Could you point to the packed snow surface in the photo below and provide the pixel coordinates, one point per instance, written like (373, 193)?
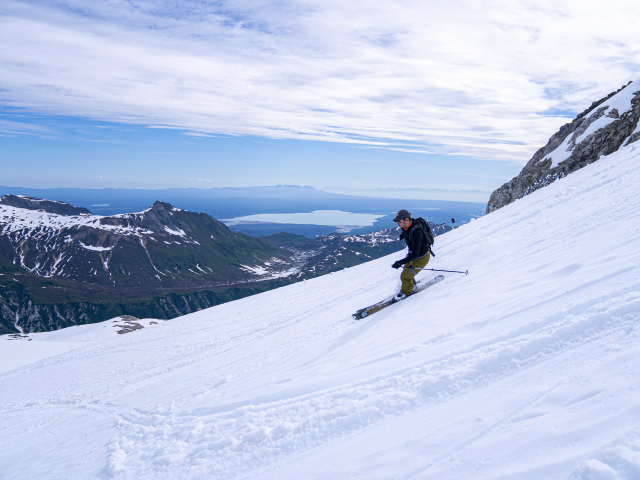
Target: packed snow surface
(17, 351)
(527, 368)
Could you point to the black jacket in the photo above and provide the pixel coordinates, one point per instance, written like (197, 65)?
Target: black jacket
(416, 242)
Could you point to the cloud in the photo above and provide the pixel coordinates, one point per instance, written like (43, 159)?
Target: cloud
(461, 77)
(196, 134)
(12, 127)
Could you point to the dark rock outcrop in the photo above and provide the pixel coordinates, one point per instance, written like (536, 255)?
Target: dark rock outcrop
(538, 172)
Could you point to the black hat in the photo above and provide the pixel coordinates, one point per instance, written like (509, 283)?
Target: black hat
(402, 214)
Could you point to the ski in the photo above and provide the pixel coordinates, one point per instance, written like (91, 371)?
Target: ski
(365, 312)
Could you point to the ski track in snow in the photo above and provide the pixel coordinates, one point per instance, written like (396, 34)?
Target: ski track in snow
(526, 368)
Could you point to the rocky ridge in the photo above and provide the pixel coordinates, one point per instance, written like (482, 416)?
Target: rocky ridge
(607, 125)
(162, 245)
(50, 206)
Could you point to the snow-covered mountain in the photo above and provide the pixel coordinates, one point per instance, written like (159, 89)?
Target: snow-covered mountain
(50, 206)
(61, 265)
(604, 127)
(162, 245)
(527, 368)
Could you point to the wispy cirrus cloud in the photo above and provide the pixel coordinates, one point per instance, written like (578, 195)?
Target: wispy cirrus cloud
(461, 77)
(12, 127)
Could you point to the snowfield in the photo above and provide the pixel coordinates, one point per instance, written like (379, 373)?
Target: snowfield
(527, 368)
(17, 350)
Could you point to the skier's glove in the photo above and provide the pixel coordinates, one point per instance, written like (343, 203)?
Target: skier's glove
(397, 264)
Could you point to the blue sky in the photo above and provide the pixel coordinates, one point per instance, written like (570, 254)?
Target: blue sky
(351, 95)
(98, 155)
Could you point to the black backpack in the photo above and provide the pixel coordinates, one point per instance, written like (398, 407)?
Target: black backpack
(423, 225)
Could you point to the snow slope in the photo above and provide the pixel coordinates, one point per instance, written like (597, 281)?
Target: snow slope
(18, 350)
(527, 368)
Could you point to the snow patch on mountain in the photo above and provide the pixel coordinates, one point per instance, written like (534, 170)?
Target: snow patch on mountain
(36, 224)
(95, 249)
(255, 270)
(179, 232)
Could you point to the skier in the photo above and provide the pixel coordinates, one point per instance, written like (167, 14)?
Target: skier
(418, 235)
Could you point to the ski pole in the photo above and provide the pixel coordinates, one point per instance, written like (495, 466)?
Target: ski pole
(435, 270)
(453, 220)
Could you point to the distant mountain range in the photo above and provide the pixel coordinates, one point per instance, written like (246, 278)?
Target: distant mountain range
(228, 203)
(414, 193)
(60, 265)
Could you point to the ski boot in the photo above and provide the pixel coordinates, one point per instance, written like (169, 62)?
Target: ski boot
(399, 296)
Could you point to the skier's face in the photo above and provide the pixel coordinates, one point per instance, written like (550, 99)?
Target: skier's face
(404, 223)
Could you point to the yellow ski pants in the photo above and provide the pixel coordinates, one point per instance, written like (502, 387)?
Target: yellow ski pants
(410, 270)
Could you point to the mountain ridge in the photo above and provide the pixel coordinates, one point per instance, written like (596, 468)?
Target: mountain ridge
(50, 206)
(596, 132)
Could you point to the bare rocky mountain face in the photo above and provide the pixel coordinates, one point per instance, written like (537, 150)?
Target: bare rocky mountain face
(58, 270)
(603, 128)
